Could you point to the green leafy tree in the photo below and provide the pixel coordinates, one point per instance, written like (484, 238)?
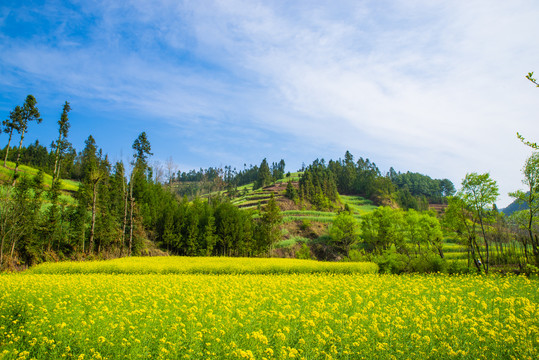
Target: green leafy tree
(479, 193)
(382, 228)
(457, 221)
(270, 222)
(431, 232)
(344, 231)
(530, 198)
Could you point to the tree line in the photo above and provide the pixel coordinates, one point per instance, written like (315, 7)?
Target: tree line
(321, 183)
(116, 211)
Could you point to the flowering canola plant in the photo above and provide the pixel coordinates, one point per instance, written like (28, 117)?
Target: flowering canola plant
(203, 265)
(254, 316)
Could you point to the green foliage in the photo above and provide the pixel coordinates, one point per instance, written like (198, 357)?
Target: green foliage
(264, 175)
(270, 220)
(304, 253)
(344, 231)
(305, 224)
(478, 195)
(317, 185)
(291, 191)
(527, 219)
(418, 186)
(356, 256)
(532, 79)
(479, 192)
(403, 240)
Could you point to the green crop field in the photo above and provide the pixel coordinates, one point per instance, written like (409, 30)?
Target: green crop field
(357, 204)
(261, 316)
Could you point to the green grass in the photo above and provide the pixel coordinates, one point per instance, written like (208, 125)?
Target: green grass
(324, 217)
(358, 204)
(7, 173)
(293, 177)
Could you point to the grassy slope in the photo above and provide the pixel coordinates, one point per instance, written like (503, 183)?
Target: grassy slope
(7, 174)
(67, 187)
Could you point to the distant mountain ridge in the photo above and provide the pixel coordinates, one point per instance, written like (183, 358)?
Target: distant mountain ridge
(514, 207)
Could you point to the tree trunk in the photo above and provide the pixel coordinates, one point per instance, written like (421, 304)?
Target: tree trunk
(131, 226)
(7, 148)
(56, 157)
(536, 250)
(131, 200)
(92, 227)
(12, 248)
(486, 245)
(18, 154)
(124, 191)
(83, 235)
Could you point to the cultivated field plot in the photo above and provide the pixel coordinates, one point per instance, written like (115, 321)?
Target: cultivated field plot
(306, 316)
(203, 265)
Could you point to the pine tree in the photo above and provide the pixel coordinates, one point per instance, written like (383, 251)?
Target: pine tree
(61, 144)
(10, 125)
(29, 113)
(264, 175)
(270, 221)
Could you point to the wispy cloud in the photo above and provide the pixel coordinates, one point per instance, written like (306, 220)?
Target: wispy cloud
(428, 86)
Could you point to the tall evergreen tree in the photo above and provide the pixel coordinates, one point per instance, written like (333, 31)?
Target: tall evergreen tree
(270, 221)
(61, 144)
(29, 113)
(264, 175)
(10, 125)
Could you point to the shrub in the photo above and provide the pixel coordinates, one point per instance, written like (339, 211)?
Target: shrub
(305, 224)
(356, 256)
(427, 264)
(304, 253)
(391, 262)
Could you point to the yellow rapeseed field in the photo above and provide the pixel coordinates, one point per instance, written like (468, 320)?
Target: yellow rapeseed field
(204, 265)
(256, 316)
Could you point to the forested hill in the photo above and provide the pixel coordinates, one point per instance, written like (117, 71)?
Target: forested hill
(514, 207)
(102, 210)
(321, 182)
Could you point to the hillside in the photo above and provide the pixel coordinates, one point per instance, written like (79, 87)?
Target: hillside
(514, 207)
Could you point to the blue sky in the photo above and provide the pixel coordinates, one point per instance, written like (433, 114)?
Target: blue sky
(435, 87)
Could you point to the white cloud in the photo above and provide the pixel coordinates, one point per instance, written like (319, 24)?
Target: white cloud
(434, 87)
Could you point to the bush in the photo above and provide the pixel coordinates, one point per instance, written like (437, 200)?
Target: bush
(458, 267)
(305, 224)
(391, 262)
(356, 256)
(430, 263)
(304, 253)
